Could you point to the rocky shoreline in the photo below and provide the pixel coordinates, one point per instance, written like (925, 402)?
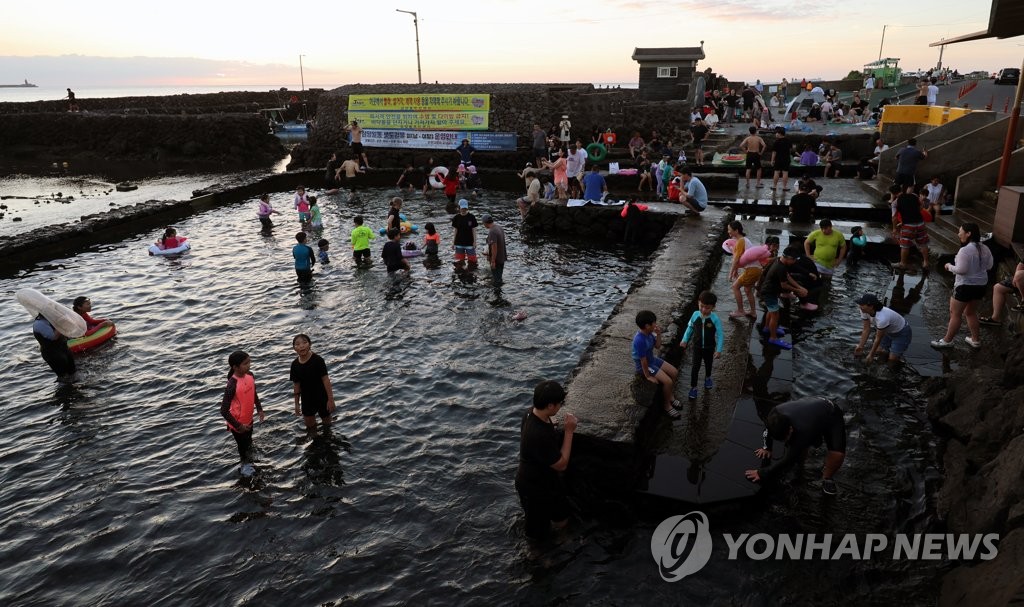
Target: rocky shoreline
(978, 408)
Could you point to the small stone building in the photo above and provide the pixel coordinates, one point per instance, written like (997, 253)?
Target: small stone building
(666, 73)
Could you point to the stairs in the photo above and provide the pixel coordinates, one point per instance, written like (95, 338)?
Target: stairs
(943, 232)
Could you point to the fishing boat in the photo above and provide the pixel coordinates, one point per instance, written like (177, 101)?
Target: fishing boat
(281, 127)
(24, 85)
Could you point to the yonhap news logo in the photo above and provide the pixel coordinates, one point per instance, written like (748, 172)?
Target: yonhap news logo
(681, 546)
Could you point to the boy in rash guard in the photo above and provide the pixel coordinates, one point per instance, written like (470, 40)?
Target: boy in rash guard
(305, 258)
(705, 329)
(803, 424)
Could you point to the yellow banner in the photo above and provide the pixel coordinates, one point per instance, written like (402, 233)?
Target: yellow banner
(435, 102)
(433, 121)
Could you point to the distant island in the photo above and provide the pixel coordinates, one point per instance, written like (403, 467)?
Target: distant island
(25, 85)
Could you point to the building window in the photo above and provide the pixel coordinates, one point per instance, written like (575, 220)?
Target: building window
(668, 72)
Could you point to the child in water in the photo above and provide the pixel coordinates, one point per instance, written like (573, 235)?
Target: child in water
(858, 242)
(432, 240)
(304, 258)
(323, 245)
(316, 219)
(170, 239)
(705, 330)
(361, 237)
(302, 204)
(265, 211)
(312, 387)
(237, 407)
(83, 305)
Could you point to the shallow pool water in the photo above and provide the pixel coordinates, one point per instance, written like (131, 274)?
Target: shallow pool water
(123, 489)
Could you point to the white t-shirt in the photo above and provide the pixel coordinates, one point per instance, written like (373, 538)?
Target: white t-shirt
(869, 83)
(581, 156)
(879, 150)
(933, 92)
(886, 319)
(933, 192)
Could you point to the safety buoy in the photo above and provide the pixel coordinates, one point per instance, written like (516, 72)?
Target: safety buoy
(596, 152)
(437, 176)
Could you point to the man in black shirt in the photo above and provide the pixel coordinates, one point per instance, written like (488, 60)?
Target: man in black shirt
(465, 235)
(782, 157)
(392, 252)
(802, 205)
(803, 424)
(700, 132)
(543, 454)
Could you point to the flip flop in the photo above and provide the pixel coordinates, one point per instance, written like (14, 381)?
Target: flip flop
(986, 320)
(781, 344)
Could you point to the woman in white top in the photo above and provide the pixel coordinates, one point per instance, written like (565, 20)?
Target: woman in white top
(971, 267)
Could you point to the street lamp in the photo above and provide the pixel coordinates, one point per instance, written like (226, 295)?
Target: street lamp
(416, 24)
(302, 78)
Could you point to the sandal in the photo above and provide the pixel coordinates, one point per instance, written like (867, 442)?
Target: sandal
(987, 320)
(1018, 308)
(737, 314)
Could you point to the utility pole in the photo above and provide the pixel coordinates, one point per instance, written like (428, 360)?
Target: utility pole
(302, 78)
(416, 24)
(941, 49)
(881, 43)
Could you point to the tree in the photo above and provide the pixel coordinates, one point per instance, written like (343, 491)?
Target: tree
(854, 75)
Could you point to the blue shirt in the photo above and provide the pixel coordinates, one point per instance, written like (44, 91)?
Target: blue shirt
(466, 154)
(708, 330)
(643, 347)
(593, 186)
(696, 189)
(304, 256)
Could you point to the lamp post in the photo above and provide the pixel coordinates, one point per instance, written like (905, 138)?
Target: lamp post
(881, 43)
(302, 78)
(416, 24)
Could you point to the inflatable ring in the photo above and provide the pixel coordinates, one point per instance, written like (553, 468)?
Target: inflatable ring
(596, 152)
(436, 177)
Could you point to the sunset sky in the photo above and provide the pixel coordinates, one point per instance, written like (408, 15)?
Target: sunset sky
(498, 40)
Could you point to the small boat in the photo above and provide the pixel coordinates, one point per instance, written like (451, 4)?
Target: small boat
(24, 85)
(92, 340)
(124, 186)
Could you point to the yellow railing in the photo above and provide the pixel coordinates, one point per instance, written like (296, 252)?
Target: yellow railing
(932, 115)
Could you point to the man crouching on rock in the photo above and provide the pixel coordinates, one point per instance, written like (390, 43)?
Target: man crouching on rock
(803, 424)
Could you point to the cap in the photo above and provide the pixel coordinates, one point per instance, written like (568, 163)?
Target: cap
(487, 219)
(868, 299)
(463, 204)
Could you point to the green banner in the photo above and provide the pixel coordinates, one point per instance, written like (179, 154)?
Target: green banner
(433, 121)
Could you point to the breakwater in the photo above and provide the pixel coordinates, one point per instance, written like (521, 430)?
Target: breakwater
(231, 140)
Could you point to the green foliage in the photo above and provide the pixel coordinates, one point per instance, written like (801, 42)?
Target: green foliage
(854, 75)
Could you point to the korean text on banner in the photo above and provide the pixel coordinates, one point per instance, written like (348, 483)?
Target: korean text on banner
(433, 102)
(437, 121)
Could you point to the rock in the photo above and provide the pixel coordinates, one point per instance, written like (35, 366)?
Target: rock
(990, 583)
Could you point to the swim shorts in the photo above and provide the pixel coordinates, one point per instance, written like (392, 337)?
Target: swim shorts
(771, 302)
(541, 509)
(913, 234)
(357, 148)
(753, 160)
(310, 409)
(462, 251)
(361, 254)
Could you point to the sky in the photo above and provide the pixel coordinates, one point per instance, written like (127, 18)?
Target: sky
(344, 42)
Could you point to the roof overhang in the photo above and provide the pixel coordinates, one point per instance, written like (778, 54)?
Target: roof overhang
(1005, 21)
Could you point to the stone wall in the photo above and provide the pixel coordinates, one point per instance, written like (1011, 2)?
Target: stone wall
(514, 108)
(606, 223)
(246, 102)
(231, 138)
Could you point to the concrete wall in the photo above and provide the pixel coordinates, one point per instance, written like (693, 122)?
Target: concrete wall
(971, 184)
(605, 223)
(514, 108)
(204, 103)
(953, 148)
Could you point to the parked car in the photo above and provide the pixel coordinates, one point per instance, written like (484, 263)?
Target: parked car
(1008, 75)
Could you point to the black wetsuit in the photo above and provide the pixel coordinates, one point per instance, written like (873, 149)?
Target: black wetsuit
(814, 420)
